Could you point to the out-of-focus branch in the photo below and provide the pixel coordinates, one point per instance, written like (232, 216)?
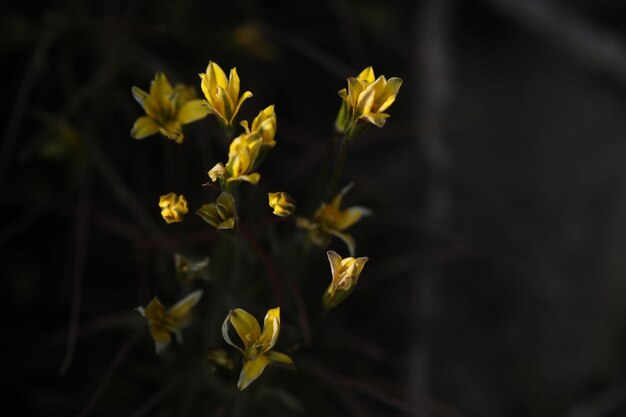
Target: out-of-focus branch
(432, 95)
(598, 48)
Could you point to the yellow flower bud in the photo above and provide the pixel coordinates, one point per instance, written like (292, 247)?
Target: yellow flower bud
(218, 171)
(242, 157)
(173, 207)
(222, 214)
(282, 203)
(265, 125)
(345, 276)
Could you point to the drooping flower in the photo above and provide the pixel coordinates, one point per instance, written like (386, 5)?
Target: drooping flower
(330, 220)
(162, 323)
(366, 99)
(173, 207)
(345, 276)
(222, 94)
(167, 109)
(257, 346)
(222, 214)
(282, 203)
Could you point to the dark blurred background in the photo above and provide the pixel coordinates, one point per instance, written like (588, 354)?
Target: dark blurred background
(497, 278)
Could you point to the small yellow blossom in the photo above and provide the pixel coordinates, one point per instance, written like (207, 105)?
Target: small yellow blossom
(329, 220)
(173, 207)
(162, 323)
(191, 268)
(167, 109)
(257, 345)
(222, 94)
(345, 276)
(219, 357)
(282, 203)
(222, 214)
(242, 159)
(265, 125)
(366, 99)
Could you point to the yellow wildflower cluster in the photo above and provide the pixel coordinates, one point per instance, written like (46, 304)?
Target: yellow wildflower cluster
(167, 108)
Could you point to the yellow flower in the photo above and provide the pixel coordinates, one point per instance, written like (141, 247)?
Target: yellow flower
(190, 268)
(257, 345)
(167, 109)
(242, 158)
(222, 95)
(173, 207)
(282, 203)
(222, 214)
(265, 125)
(329, 220)
(219, 357)
(366, 99)
(162, 323)
(345, 276)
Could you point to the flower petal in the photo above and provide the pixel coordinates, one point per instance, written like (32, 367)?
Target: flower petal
(216, 75)
(367, 75)
(280, 359)
(246, 326)
(233, 84)
(139, 95)
(350, 216)
(271, 329)
(154, 309)
(243, 98)
(335, 261)
(347, 239)
(191, 111)
(252, 370)
(183, 307)
(144, 127)
(225, 326)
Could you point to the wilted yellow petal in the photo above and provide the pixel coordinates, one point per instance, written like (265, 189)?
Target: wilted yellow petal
(335, 261)
(251, 370)
(217, 172)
